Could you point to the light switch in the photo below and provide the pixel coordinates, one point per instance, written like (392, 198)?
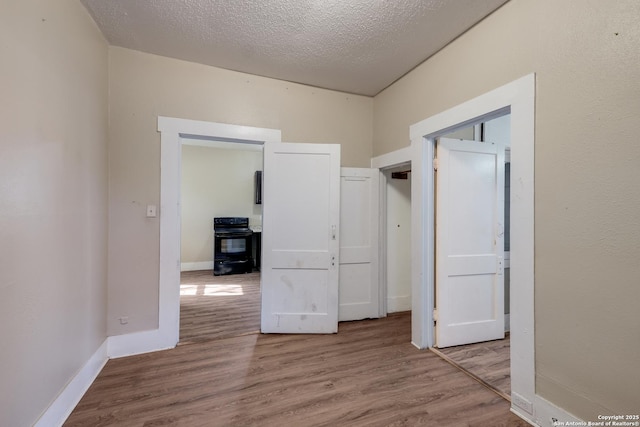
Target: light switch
(151, 211)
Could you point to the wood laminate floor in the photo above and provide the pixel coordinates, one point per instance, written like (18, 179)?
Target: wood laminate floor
(489, 362)
(213, 307)
(224, 373)
(366, 375)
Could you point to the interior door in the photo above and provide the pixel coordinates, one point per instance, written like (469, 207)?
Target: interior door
(469, 242)
(359, 285)
(300, 237)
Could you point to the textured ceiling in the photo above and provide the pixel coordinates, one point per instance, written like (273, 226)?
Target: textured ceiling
(357, 46)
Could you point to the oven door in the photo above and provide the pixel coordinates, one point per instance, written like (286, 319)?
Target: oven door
(231, 245)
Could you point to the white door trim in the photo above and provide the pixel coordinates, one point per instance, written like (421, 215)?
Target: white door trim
(392, 159)
(172, 132)
(518, 99)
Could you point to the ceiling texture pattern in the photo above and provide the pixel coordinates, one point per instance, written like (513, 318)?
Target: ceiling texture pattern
(355, 46)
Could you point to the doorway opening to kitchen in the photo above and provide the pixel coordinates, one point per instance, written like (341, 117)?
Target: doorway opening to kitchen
(220, 239)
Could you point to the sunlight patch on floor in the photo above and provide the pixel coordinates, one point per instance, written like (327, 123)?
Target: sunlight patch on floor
(211, 289)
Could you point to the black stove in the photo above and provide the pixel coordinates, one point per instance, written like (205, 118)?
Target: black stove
(231, 224)
(232, 252)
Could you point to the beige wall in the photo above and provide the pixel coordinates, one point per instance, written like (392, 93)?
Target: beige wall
(215, 182)
(53, 201)
(53, 180)
(143, 86)
(586, 58)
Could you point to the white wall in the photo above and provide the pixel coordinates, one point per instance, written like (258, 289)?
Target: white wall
(398, 242)
(53, 201)
(215, 182)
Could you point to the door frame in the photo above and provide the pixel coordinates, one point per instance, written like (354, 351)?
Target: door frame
(172, 132)
(383, 163)
(518, 99)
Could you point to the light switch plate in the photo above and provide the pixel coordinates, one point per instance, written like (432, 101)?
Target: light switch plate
(151, 211)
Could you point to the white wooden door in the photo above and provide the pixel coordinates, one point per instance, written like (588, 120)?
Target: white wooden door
(300, 237)
(469, 242)
(359, 285)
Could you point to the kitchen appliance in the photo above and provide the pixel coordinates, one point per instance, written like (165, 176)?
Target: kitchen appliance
(232, 250)
(257, 194)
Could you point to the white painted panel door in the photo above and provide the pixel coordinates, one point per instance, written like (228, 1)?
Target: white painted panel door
(469, 242)
(300, 237)
(359, 289)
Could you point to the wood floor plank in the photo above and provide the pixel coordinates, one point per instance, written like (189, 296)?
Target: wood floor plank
(489, 361)
(366, 375)
(213, 307)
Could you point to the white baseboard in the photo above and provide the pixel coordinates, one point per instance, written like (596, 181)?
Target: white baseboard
(396, 304)
(507, 322)
(545, 412)
(57, 413)
(112, 347)
(524, 416)
(138, 343)
(196, 266)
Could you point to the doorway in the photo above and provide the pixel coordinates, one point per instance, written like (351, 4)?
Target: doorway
(217, 180)
(397, 230)
(518, 99)
(173, 132)
(477, 348)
